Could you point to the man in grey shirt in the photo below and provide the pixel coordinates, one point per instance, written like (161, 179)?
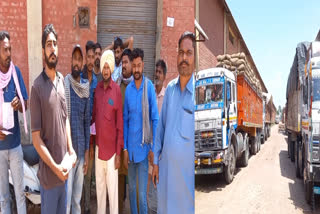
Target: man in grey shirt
(50, 127)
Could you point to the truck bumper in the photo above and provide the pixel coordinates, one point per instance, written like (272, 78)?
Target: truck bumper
(209, 162)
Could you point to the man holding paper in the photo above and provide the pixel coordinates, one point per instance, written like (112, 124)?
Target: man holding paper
(50, 128)
(12, 92)
(78, 106)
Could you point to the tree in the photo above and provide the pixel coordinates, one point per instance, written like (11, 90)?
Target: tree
(279, 110)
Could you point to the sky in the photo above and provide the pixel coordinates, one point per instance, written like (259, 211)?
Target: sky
(272, 29)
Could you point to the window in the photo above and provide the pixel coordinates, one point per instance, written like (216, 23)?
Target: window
(233, 92)
(209, 93)
(231, 36)
(228, 91)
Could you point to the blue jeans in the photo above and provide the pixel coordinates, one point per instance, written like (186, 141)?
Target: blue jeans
(54, 200)
(12, 159)
(75, 184)
(138, 171)
(152, 199)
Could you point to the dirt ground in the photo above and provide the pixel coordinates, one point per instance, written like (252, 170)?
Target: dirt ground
(267, 185)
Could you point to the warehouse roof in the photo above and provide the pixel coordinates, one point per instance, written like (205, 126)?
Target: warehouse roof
(264, 88)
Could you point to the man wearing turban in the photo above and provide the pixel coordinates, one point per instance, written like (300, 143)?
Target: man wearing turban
(107, 115)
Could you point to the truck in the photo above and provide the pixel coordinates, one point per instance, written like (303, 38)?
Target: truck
(269, 114)
(228, 122)
(303, 116)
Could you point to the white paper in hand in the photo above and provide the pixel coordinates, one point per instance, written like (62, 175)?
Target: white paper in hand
(68, 161)
(7, 116)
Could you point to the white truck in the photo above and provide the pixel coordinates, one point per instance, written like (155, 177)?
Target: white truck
(228, 122)
(303, 116)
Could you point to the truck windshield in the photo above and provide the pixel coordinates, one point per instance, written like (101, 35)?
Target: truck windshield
(209, 93)
(316, 89)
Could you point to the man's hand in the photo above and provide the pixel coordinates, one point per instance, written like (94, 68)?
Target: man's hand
(150, 158)
(2, 136)
(91, 152)
(117, 162)
(61, 173)
(155, 175)
(16, 104)
(86, 162)
(72, 152)
(125, 159)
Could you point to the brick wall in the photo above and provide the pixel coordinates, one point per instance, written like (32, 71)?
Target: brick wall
(61, 14)
(183, 12)
(207, 59)
(211, 19)
(13, 18)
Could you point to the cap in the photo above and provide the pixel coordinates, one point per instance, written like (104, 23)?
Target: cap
(77, 46)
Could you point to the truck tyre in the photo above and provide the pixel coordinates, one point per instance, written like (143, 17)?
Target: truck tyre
(263, 139)
(230, 168)
(243, 162)
(288, 143)
(254, 147)
(308, 191)
(297, 158)
(292, 150)
(258, 139)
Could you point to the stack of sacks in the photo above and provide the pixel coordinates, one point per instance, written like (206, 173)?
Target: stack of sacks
(238, 63)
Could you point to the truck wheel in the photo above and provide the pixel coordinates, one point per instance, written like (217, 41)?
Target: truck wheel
(297, 158)
(258, 140)
(263, 139)
(243, 162)
(230, 168)
(253, 147)
(292, 150)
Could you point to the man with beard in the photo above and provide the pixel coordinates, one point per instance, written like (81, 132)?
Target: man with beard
(126, 78)
(107, 115)
(118, 46)
(88, 73)
(50, 127)
(13, 96)
(78, 106)
(160, 76)
(175, 137)
(97, 56)
(140, 113)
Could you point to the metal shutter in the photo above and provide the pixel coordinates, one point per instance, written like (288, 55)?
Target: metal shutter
(124, 18)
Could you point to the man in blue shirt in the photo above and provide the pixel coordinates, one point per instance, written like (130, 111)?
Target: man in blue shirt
(88, 73)
(78, 105)
(175, 137)
(11, 156)
(140, 113)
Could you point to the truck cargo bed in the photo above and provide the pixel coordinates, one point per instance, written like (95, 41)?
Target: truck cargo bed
(250, 104)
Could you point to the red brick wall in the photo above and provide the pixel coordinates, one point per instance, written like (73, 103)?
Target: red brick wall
(232, 48)
(60, 13)
(211, 19)
(207, 59)
(183, 12)
(13, 18)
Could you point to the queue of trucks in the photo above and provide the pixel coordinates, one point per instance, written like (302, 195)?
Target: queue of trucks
(233, 118)
(302, 116)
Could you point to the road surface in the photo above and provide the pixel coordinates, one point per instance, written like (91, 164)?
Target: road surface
(267, 185)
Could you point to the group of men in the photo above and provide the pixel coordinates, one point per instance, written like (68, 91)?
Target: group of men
(103, 118)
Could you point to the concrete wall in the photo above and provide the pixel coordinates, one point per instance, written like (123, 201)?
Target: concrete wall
(183, 11)
(61, 14)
